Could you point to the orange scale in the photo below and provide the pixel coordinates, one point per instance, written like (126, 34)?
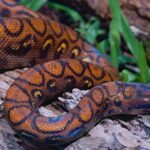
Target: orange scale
(76, 66)
(32, 76)
(44, 125)
(8, 105)
(13, 28)
(17, 94)
(85, 109)
(113, 89)
(96, 71)
(54, 68)
(72, 35)
(86, 114)
(97, 96)
(74, 124)
(106, 78)
(20, 112)
(57, 29)
(38, 24)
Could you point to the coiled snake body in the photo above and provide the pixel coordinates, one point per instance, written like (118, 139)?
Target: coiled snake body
(29, 38)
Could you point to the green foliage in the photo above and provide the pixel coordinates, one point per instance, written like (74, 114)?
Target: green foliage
(135, 47)
(128, 76)
(72, 13)
(33, 4)
(90, 30)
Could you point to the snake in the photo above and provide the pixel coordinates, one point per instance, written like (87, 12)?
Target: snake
(59, 60)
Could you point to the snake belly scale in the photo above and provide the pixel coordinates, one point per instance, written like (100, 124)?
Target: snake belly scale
(65, 61)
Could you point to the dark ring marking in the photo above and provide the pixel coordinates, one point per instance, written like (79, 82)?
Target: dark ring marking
(63, 65)
(93, 75)
(36, 69)
(9, 4)
(25, 13)
(8, 32)
(25, 118)
(42, 33)
(69, 36)
(23, 90)
(34, 126)
(53, 30)
(74, 70)
(98, 104)
(15, 101)
(107, 90)
(78, 114)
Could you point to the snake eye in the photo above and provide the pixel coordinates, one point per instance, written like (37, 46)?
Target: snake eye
(51, 86)
(37, 94)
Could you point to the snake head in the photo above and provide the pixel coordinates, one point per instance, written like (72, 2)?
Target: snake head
(126, 98)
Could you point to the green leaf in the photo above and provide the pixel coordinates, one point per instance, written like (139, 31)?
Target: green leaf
(133, 44)
(103, 46)
(128, 76)
(33, 4)
(114, 40)
(72, 13)
(90, 30)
